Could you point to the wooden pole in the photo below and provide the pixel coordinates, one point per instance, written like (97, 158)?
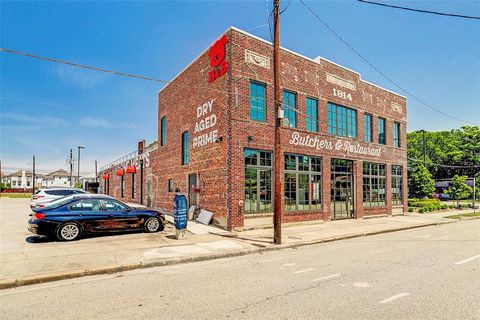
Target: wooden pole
(278, 197)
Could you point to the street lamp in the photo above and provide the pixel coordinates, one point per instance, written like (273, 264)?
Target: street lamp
(78, 164)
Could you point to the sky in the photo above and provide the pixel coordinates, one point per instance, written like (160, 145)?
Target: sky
(46, 109)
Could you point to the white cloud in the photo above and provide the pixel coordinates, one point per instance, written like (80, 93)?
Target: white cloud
(82, 78)
(106, 124)
(39, 120)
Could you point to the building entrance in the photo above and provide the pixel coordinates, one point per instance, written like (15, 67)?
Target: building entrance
(342, 190)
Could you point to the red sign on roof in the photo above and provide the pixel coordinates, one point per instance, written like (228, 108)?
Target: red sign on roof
(217, 59)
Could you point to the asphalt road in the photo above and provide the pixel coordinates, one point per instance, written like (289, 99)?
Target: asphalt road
(425, 273)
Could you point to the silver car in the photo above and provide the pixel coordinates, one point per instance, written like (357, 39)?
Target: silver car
(43, 196)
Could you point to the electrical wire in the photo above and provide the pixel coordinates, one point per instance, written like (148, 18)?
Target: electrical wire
(379, 71)
(419, 10)
(442, 165)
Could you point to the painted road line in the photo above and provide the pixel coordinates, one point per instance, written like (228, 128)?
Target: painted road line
(395, 297)
(332, 276)
(304, 270)
(468, 260)
(289, 264)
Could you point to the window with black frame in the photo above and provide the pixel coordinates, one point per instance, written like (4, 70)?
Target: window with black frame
(342, 121)
(382, 139)
(397, 185)
(374, 178)
(396, 134)
(258, 181)
(185, 148)
(303, 183)
(367, 127)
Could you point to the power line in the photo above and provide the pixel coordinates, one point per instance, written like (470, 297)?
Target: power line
(379, 71)
(124, 74)
(82, 66)
(420, 10)
(442, 165)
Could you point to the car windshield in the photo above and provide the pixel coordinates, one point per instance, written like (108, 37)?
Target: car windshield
(58, 203)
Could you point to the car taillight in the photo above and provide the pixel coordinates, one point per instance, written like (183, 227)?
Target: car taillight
(39, 215)
(37, 197)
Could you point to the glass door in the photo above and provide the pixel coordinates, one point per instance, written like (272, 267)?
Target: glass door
(342, 189)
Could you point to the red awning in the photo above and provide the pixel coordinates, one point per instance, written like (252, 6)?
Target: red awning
(105, 176)
(120, 172)
(131, 169)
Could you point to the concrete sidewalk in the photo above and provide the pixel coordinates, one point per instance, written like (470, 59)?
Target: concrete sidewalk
(29, 260)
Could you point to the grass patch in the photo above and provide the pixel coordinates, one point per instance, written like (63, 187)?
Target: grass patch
(16, 195)
(459, 216)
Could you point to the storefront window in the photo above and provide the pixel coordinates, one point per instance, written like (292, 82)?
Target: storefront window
(367, 127)
(312, 115)
(258, 181)
(342, 121)
(257, 101)
(303, 182)
(185, 147)
(373, 184)
(397, 185)
(290, 108)
(381, 131)
(396, 134)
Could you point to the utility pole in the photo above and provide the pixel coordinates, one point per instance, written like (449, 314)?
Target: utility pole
(71, 166)
(33, 176)
(78, 164)
(96, 173)
(278, 197)
(424, 147)
(474, 210)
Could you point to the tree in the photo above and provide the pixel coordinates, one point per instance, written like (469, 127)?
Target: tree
(420, 182)
(459, 189)
(460, 147)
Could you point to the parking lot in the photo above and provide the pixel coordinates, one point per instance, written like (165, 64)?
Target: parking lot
(23, 253)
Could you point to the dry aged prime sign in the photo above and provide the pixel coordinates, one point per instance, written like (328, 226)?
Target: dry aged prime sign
(205, 120)
(217, 59)
(349, 147)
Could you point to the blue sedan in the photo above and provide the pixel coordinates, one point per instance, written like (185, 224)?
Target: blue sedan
(70, 217)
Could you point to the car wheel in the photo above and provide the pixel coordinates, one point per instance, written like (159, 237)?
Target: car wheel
(69, 232)
(153, 225)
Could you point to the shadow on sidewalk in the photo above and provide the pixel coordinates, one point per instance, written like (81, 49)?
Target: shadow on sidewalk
(252, 241)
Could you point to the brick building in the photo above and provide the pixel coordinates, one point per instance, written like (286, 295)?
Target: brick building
(343, 139)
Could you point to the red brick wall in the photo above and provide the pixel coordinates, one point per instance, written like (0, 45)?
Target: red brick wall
(220, 166)
(179, 102)
(308, 79)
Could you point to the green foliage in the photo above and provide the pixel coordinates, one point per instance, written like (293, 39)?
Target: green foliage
(420, 182)
(78, 185)
(459, 189)
(5, 185)
(422, 202)
(455, 147)
(16, 195)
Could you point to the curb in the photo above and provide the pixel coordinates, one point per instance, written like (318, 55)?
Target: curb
(29, 280)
